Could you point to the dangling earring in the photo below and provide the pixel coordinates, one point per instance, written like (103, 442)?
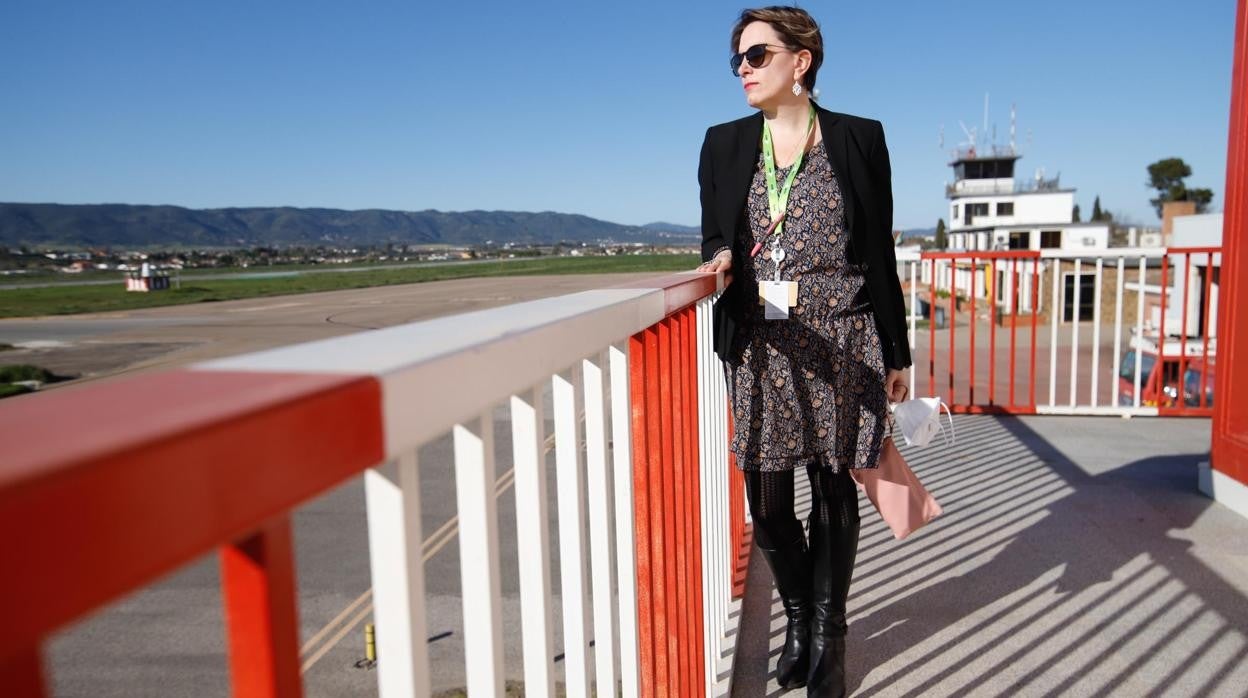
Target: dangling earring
(797, 88)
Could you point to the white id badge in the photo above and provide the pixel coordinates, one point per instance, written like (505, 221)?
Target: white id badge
(776, 298)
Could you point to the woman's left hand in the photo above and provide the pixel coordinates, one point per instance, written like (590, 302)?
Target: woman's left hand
(896, 385)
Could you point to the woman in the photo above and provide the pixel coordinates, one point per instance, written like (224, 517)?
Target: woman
(797, 209)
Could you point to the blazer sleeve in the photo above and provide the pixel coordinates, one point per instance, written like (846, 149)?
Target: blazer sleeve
(882, 173)
(712, 236)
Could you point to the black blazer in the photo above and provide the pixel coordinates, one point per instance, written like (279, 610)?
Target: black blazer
(859, 158)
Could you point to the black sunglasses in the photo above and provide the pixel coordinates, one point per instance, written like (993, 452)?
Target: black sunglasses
(756, 55)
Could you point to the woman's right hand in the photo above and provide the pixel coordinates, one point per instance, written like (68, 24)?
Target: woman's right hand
(720, 262)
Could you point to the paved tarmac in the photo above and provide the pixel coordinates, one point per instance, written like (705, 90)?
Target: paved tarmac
(1075, 557)
(108, 344)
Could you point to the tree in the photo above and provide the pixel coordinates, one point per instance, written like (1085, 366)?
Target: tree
(1096, 209)
(1166, 176)
(941, 241)
(1075, 213)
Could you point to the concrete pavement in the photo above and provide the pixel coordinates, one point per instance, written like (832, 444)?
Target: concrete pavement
(1075, 557)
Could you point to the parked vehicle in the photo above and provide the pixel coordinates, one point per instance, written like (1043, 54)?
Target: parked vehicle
(1160, 385)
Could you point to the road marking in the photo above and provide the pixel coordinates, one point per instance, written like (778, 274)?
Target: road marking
(431, 546)
(307, 646)
(258, 308)
(333, 641)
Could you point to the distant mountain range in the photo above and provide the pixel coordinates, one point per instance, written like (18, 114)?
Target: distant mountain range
(126, 226)
(122, 225)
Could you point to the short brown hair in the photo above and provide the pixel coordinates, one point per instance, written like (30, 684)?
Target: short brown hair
(796, 28)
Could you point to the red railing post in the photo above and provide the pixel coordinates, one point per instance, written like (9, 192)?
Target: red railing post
(931, 333)
(1035, 313)
(1187, 287)
(659, 550)
(992, 333)
(21, 674)
(667, 477)
(971, 369)
(953, 325)
(258, 578)
(638, 351)
(1205, 309)
(1013, 324)
(695, 490)
(679, 514)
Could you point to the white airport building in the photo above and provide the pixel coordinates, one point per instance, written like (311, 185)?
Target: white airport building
(990, 210)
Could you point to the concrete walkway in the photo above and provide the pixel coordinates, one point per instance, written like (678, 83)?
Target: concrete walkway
(1075, 557)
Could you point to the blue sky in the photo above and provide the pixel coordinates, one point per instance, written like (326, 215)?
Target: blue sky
(590, 108)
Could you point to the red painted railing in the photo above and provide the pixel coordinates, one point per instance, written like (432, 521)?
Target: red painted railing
(1020, 286)
(109, 501)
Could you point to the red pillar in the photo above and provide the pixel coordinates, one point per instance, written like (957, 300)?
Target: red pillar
(1228, 481)
(258, 576)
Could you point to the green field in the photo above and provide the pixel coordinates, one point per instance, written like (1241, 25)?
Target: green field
(48, 276)
(55, 300)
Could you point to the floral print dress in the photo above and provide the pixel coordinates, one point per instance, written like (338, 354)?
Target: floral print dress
(809, 388)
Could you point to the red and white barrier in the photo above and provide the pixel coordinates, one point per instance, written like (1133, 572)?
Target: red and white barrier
(122, 500)
(994, 306)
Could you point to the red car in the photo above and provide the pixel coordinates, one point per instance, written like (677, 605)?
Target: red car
(1159, 380)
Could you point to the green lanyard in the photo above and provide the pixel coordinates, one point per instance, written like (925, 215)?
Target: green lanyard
(778, 201)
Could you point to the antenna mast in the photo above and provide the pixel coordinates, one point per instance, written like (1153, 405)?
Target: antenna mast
(1011, 128)
(985, 113)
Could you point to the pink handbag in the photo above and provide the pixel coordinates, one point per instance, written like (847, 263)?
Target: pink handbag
(897, 494)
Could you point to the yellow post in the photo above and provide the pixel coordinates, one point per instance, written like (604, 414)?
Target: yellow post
(370, 643)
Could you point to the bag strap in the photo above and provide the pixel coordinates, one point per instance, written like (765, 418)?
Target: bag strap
(948, 440)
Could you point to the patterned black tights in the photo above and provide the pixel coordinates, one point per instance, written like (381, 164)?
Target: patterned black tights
(834, 500)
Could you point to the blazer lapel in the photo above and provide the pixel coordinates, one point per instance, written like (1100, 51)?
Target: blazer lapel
(836, 143)
(742, 161)
(740, 172)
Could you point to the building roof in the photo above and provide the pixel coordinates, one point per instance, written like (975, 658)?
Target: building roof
(1000, 226)
(1016, 192)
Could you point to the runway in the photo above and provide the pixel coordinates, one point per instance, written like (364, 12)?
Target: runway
(107, 344)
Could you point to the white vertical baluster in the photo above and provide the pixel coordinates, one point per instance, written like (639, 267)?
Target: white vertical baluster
(706, 456)
(599, 528)
(1118, 328)
(914, 318)
(713, 541)
(571, 536)
(1054, 312)
(398, 571)
(1074, 335)
(625, 536)
(533, 543)
(719, 472)
(478, 558)
(1139, 328)
(1096, 330)
(719, 403)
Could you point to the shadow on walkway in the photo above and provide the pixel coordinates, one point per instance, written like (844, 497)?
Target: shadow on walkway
(1101, 573)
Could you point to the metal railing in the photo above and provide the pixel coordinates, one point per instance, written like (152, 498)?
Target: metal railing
(650, 510)
(1102, 308)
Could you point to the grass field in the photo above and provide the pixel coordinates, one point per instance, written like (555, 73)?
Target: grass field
(43, 277)
(28, 302)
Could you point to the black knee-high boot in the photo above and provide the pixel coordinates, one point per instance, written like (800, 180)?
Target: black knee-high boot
(790, 566)
(779, 536)
(833, 549)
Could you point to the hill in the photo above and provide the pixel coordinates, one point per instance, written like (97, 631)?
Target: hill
(123, 225)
